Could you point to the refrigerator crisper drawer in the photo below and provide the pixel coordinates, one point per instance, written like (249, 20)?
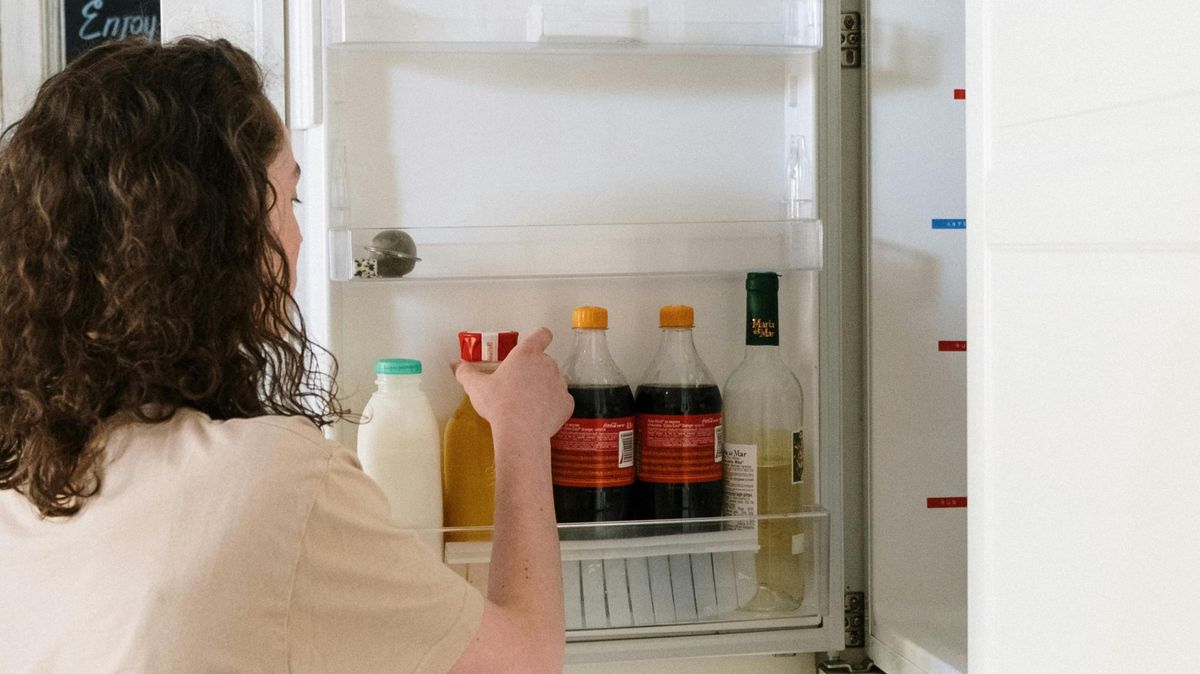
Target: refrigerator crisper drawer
(574, 250)
(668, 25)
(673, 577)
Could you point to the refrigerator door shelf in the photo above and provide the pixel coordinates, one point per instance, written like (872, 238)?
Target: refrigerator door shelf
(599, 26)
(569, 251)
(662, 578)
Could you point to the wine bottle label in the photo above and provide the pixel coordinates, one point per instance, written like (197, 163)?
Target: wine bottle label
(762, 319)
(741, 480)
(593, 453)
(798, 456)
(680, 448)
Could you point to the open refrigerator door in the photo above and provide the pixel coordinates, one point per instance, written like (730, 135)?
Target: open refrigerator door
(917, 473)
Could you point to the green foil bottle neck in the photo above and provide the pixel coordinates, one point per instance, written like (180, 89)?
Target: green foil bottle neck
(762, 318)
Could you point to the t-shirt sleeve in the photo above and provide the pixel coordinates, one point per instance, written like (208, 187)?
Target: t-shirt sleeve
(367, 596)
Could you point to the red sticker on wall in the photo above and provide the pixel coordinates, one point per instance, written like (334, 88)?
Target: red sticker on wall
(946, 502)
(945, 345)
(960, 94)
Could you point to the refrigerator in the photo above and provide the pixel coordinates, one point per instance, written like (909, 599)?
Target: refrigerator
(633, 154)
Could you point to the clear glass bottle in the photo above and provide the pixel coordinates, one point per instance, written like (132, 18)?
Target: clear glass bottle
(765, 462)
(679, 431)
(592, 455)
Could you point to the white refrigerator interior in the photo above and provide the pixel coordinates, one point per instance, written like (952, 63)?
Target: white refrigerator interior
(624, 154)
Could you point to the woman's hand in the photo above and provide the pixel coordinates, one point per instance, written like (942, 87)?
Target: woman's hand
(526, 401)
(526, 395)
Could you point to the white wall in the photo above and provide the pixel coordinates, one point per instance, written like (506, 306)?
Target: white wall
(254, 25)
(24, 58)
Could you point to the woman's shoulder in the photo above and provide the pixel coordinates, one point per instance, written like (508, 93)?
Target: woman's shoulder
(193, 444)
(296, 433)
(250, 479)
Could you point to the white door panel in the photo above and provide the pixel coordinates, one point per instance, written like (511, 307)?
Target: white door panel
(1107, 175)
(1083, 265)
(1093, 111)
(1063, 58)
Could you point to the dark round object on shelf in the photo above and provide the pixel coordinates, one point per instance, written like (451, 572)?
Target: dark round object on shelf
(395, 253)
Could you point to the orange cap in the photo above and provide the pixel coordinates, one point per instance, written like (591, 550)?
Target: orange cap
(590, 318)
(676, 316)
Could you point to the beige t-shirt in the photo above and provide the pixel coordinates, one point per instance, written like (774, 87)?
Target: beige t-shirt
(250, 545)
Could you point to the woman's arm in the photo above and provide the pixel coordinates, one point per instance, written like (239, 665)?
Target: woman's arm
(526, 402)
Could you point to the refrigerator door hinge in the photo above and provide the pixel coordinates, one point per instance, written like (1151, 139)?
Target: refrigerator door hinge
(838, 666)
(856, 619)
(852, 40)
(855, 604)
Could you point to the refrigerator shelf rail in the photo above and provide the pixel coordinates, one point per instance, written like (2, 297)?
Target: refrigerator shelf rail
(570, 251)
(672, 26)
(665, 578)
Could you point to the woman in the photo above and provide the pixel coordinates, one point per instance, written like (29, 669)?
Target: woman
(167, 502)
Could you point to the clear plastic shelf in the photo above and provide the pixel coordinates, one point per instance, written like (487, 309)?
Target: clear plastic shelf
(661, 577)
(533, 251)
(781, 26)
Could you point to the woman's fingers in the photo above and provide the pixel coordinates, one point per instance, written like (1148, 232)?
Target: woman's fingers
(467, 375)
(537, 341)
(527, 391)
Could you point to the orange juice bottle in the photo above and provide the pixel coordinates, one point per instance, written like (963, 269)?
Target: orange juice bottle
(468, 463)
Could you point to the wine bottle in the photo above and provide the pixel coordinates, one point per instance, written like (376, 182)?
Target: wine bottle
(765, 463)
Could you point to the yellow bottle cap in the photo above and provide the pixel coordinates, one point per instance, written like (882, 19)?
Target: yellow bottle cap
(676, 316)
(590, 318)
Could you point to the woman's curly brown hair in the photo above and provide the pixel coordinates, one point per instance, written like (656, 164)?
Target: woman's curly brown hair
(138, 270)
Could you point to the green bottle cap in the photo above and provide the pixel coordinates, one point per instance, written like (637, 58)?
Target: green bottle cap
(762, 282)
(397, 366)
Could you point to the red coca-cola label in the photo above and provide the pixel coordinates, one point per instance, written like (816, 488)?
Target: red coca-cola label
(593, 453)
(680, 448)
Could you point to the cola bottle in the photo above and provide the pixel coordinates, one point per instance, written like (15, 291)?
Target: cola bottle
(679, 433)
(592, 456)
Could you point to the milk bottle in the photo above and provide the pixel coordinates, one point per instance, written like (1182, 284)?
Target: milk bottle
(398, 445)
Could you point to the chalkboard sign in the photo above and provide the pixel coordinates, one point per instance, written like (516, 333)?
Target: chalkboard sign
(87, 23)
